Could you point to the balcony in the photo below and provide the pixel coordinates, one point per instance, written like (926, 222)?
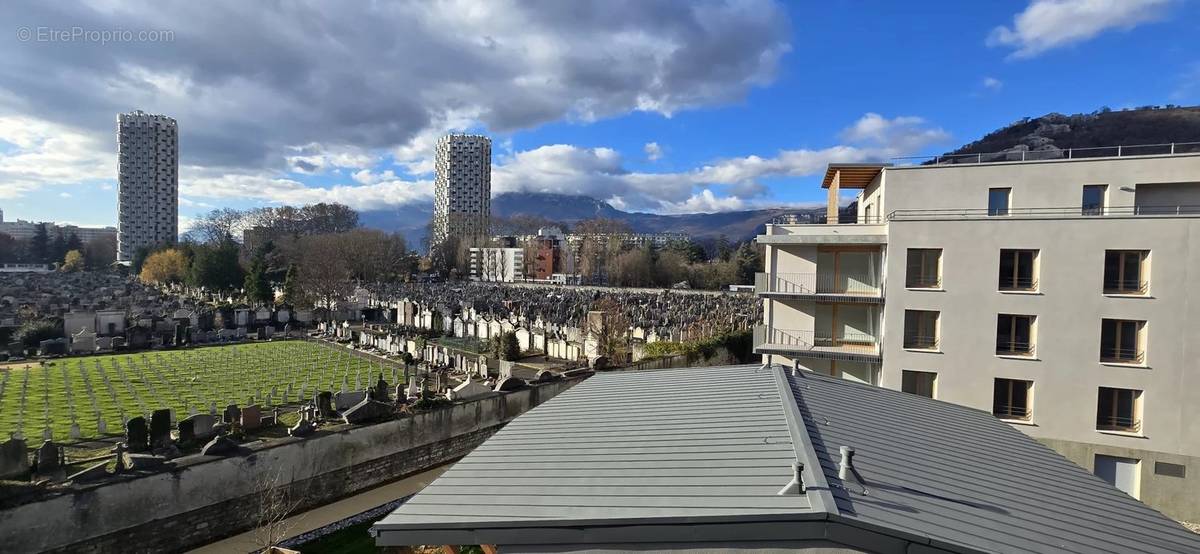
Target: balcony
(1116, 355)
(845, 287)
(810, 229)
(1006, 347)
(1137, 287)
(800, 343)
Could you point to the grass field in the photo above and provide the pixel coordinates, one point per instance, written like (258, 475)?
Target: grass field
(66, 390)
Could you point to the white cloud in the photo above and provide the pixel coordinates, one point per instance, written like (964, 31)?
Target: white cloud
(1049, 24)
(49, 154)
(992, 83)
(378, 195)
(653, 151)
(64, 195)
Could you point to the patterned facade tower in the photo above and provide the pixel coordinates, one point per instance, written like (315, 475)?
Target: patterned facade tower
(147, 182)
(462, 191)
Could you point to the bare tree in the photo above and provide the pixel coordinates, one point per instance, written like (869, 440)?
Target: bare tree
(324, 275)
(610, 330)
(277, 501)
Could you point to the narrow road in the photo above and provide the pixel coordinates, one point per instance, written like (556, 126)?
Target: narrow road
(330, 513)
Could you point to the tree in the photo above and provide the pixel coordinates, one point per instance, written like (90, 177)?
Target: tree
(168, 266)
(256, 287)
(10, 249)
(139, 258)
(218, 226)
(749, 260)
(291, 286)
(58, 247)
(39, 245)
(324, 276)
(506, 347)
(610, 330)
(723, 250)
(100, 252)
(73, 261)
(215, 267)
(31, 334)
(73, 242)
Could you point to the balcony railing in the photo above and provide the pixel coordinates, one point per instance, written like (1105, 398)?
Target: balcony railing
(1118, 423)
(807, 340)
(1043, 213)
(1068, 154)
(1018, 284)
(1005, 411)
(808, 218)
(1122, 355)
(858, 284)
(1013, 348)
(923, 282)
(921, 342)
(1126, 286)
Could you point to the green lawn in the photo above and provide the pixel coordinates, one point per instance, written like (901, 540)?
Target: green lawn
(35, 396)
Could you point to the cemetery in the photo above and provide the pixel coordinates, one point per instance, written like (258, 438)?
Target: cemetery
(68, 399)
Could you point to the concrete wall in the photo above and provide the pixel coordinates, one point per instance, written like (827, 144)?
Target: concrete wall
(206, 498)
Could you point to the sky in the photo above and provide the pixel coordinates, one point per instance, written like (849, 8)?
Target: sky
(655, 106)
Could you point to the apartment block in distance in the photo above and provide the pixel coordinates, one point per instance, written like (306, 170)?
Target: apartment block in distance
(147, 182)
(462, 189)
(1058, 294)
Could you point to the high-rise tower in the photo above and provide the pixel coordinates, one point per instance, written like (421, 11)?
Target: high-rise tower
(462, 204)
(147, 182)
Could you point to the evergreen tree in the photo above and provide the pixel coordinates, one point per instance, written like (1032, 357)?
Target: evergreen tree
(73, 243)
(291, 286)
(216, 267)
(257, 287)
(39, 245)
(58, 248)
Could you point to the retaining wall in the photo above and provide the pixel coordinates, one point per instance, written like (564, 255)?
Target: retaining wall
(205, 498)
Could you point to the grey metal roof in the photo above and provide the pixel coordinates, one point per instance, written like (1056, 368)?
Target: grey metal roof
(961, 477)
(627, 445)
(690, 456)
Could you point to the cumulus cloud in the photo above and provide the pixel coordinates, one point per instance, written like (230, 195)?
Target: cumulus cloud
(653, 151)
(601, 172)
(44, 153)
(1049, 24)
(992, 83)
(313, 87)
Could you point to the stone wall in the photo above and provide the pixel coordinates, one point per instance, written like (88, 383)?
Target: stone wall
(205, 498)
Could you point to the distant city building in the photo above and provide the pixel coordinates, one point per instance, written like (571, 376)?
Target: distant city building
(498, 265)
(462, 204)
(25, 230)
(553, 256)
(147, 182)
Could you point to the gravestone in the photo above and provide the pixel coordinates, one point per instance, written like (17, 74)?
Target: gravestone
(509, 384)
(232, 414)
(343, 401)
(366, 410)
(137, 434)
(101, 427)
(324, 404)
(49, 458)
(251, 417)
(187, 430)
(13, 460)
(220, 445)
(381, 393)
(74, 433)
(160, 428)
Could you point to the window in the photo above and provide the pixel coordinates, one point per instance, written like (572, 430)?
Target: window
(1121, 341)
(1122, 473)
(1018, 270)
(1093, 199)
(920, 383)
(1125, 271)
(924, 270)
(921, 329)
(1014, 335)
(1119, 410)
(998, 201)
(1012, 399)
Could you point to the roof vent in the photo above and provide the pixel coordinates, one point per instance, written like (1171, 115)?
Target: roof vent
(796, 485)
(846, 464)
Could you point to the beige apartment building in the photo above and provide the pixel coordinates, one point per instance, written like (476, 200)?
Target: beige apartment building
(1059, 295)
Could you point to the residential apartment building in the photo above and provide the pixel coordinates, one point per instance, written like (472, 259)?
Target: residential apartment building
(498, 265)
(147, 182)
(462, 188)
(1059, 295)
(25, 230)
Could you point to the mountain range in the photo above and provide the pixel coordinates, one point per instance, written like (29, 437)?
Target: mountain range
(1147, 125)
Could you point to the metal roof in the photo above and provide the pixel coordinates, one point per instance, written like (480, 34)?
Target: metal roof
(959, 476)
(627, 445)
(681, 457)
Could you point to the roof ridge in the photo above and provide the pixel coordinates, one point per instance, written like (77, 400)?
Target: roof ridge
(820, 495)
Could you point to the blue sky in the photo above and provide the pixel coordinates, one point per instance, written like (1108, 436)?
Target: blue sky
(654, 106)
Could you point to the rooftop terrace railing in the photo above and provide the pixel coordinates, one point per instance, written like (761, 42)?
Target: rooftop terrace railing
(1056, 154)
(1048, 213)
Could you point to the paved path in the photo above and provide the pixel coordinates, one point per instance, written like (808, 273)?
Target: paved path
(330, 513)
